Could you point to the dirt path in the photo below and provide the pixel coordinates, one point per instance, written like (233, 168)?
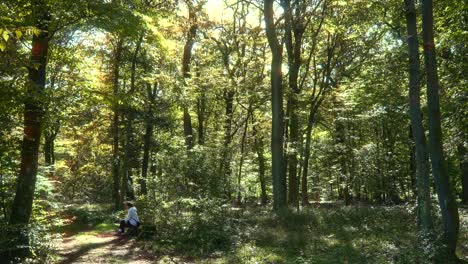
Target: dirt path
(104, 247)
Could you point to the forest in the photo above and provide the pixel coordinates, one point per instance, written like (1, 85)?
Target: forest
(241, 131)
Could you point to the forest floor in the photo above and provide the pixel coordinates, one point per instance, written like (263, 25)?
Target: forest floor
(102, 247)
(86, 241)
(323, 234)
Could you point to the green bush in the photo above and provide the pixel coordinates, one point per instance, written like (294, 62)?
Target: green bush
(192, 226)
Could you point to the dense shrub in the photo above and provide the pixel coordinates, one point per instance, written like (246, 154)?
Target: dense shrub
(193, 226)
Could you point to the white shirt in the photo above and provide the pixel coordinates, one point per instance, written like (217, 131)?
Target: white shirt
(132, 214)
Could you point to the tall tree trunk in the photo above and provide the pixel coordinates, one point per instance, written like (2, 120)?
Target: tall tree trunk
(33, 117)
(258, 145)
(417, 129)
(148, 134)
(306, 157)
(48, 149)
(115, 122)
(201, 111)
(447, 202)
(227, 153)
(241, 162)
(463, 160)
(294, 27)
(128, 161)
(186, 59)
(412, 163)
(188, 129)
(315, 104)
(279, 179)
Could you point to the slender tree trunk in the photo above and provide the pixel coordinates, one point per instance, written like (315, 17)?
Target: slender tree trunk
(241, 162)
(128, 161)
(188, 129)
(463, 160)
(48, 149)
(258, 144)
(201, 110)
(186, 59)
(417, 129)
(294, 30)
(227, 153)
(306, 157)
(33, 117)
(279, 179)
(148, 134)
(447, 202)
(115, 123)
(412, 163)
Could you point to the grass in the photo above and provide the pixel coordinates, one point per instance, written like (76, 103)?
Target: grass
(317, 234)
(84, 218)
(331, 234)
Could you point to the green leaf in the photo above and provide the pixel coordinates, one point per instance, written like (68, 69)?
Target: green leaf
(18, 33)
(6, 35)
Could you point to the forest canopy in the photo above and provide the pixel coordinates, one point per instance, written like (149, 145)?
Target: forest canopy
(236, 126)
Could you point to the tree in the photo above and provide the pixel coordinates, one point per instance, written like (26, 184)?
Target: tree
(279, 179)
(33, 118)
(422, 158)
(444, 188)
(186, 60)
(117, 57)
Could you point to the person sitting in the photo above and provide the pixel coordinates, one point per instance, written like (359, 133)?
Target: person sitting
(132, 220)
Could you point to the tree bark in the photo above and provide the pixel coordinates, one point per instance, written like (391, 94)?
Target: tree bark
(293, 27)
(148, 135)
(201, 111)
(306, 157)
(279, 179)
(412, 163)
(49, 149)
(186, 59)
(417, 129)
(227, 153)
(33, 113)
(115, 122)
(128, 161)
(463, 161)
(241, 162)
(33, 117)
(447, 202)
(258, 144)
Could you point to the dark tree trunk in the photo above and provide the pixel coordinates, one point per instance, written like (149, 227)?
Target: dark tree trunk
(294, 27)
(258, 144)
(188, 129)
(241, 162)
(306, 157)
(279, 179)
(148, 135)
(129, 161)
(417, 129)
(33, 113)
(115, 122)
(33, 117)
(227, 153)
(463, 160)
(49, 149)
(315, 102)
(201, 110)
(447, 202)
(186, 59)
(412, 163)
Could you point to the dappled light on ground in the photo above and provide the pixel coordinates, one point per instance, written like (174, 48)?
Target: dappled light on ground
(321, 235)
